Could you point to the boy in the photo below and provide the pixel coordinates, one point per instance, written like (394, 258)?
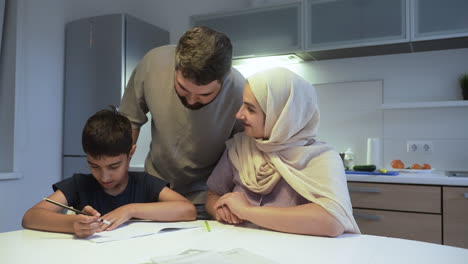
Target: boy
(111, 193)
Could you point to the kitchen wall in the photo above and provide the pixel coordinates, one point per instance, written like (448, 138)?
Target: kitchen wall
(39, 82)
(423, 76)
(41, 47)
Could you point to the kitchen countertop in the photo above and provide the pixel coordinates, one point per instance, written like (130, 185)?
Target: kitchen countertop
(433, 178)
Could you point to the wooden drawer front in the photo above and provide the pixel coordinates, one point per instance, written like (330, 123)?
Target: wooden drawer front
(425, 199)
(456, 216)
(414, 226)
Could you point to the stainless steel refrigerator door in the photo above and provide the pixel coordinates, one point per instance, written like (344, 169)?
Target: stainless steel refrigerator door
(140, 37)
(93, 73)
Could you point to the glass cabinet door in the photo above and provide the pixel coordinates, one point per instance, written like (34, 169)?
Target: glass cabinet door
(260, 31)
(435, 19)
(333, 24)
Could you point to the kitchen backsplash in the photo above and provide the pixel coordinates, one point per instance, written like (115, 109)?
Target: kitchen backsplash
(421, 77)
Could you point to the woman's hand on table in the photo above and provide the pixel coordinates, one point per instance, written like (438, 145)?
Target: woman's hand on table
(224, 214)
(234, 203)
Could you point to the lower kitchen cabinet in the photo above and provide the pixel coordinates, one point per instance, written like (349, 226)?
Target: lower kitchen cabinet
(435, 214)
(414, 226)
(456, 216)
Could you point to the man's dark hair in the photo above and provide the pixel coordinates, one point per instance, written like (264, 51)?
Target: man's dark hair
(107, 133)
(204, 55)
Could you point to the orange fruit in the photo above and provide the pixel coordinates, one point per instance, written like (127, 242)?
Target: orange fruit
(426, 166)
(416, 166)
(397, 164)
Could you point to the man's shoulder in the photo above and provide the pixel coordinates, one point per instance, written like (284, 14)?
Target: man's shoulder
(161, 51)
(236, 77)
(235, 81)
(158, 60)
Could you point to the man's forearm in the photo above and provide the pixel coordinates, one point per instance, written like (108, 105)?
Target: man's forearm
(211, 199)
(135, 134)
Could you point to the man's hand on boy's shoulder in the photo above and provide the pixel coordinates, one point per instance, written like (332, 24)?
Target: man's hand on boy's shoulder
(87, 225)
(116, 217)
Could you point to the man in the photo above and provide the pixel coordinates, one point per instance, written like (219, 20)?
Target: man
(193, 94)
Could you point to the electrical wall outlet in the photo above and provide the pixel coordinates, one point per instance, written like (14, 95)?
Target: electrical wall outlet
(411, 146)
(427, 147)
(419, 146)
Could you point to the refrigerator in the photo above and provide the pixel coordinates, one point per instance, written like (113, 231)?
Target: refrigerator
(100, 54)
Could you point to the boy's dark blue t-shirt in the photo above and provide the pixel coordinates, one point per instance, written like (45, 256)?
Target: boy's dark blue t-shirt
(83, 189)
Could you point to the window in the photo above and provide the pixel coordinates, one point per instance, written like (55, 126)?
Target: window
(8, 89)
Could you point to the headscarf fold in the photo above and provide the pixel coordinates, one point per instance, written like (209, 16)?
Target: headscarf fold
(290, 150)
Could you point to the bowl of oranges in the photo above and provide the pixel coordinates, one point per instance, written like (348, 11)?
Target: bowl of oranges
(398, 165)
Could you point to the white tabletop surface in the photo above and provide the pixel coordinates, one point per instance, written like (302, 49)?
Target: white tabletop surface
(27, 246)
(434, 178)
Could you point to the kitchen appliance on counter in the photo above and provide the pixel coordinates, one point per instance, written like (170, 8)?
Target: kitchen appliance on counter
(100, 56)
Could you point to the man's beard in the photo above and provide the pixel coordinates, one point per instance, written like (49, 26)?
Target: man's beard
(195, 106)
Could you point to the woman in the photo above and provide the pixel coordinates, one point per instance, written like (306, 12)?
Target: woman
(275, 174)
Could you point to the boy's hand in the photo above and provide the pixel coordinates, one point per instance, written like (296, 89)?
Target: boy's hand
(91, 211)
(85, 225)
(117, 217)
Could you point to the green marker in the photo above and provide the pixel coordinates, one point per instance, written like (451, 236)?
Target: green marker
(207, 226)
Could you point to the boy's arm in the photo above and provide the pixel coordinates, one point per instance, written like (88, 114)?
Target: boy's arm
(47, 217)
(170, 207)
(211, 199)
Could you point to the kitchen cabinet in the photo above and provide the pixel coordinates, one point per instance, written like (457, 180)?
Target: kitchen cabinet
(433, 104)
(354, 23)
(455, 203)
(259, 31)
(437, 19)
(323, 29)
(413, 226)
(436, 213)
(398, 210)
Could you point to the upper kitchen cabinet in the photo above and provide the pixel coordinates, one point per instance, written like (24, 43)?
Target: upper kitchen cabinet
(259, 31)
(337, 24)
(439, 19)
(329, 29)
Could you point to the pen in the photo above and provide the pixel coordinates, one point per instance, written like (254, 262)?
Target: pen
(72, 209)
(207, 226)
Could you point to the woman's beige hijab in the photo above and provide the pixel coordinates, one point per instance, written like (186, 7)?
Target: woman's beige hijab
(289, 149)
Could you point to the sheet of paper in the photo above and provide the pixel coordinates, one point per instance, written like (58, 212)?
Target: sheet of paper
(164, 227)
(233, 256)
(140, 228)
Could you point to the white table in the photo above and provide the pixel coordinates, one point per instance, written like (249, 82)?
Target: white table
(28, 246)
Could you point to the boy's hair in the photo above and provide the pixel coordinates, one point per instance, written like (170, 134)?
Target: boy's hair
(107, 133)
(203, 55)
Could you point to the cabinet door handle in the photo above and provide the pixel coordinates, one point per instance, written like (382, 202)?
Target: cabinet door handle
(365, 189)
(369, 216)
(465, 195)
